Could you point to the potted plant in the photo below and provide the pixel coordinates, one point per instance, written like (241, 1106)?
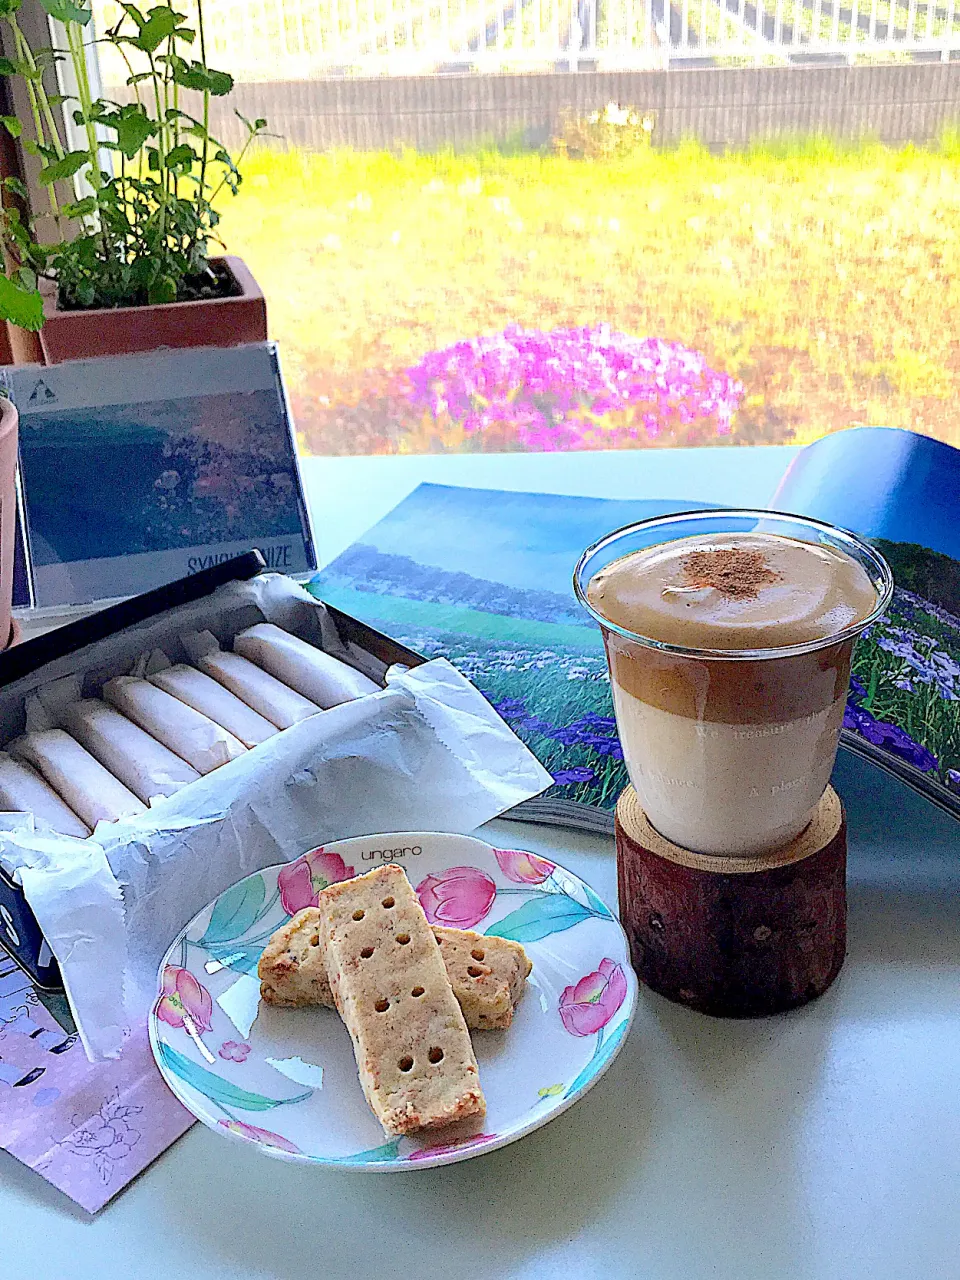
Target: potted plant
(130, 267)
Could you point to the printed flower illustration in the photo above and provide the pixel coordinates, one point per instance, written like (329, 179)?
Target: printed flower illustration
(590, 1005)
(426, 1153)
(183, 1001)
(107, 1137)
(459, 897)
(234, 1051)
(578, 774)
(523, 867)
(301, 882)
(253, 1134)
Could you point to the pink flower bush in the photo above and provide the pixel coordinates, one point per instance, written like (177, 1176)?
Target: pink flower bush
(183, 999)
(523, 867)
(458, 898)
(253, 1134)
(548, 391)
(234, 1051)
(590, 1005)
(301, 882)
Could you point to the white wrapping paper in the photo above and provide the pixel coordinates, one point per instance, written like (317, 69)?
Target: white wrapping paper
(427, 752)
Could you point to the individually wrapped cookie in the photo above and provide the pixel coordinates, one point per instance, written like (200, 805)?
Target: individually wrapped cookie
(23, 790)
(320, 677)
(91, 791)
(203, 693)
(185, 731)
(146, 766)
(268, 696)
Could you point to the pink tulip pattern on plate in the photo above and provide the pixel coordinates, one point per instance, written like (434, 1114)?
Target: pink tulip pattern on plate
(588, 1006)
(523, 867)
(264, 1136)
(302, 882)
(459, 897)
(185, 1003)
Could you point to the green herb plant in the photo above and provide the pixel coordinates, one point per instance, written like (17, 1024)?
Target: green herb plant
(145, 177)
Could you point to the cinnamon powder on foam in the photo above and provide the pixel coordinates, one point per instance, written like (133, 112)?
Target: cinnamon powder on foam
(734, 572)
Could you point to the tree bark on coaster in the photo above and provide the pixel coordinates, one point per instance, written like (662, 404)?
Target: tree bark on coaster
(735, 937)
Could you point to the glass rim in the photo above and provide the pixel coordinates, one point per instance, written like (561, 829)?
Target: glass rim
(882, 580)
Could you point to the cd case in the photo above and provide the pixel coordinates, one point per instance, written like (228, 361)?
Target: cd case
(138, 470)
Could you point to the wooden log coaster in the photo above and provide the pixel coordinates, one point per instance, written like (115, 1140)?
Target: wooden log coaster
(735, 937)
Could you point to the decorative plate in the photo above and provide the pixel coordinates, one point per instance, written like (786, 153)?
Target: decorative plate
(285, 1079)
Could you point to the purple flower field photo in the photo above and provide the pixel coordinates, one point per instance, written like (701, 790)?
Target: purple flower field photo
(905, 689)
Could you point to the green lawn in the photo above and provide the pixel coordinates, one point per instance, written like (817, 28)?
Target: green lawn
(826, 279)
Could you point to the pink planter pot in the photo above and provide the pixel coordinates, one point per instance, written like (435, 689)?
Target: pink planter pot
(115, 331)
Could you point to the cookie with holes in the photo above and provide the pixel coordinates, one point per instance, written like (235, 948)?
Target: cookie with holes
(390, 986)
(487, 974)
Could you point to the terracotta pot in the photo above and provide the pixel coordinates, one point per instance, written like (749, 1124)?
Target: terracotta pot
(115, 331)
(9, 423)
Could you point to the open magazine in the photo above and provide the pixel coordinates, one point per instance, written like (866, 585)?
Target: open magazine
(483, 577)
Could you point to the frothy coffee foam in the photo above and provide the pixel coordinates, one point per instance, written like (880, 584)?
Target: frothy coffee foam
(734, 591)
(730, 755)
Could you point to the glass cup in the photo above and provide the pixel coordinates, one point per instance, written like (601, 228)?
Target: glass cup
(729, 751)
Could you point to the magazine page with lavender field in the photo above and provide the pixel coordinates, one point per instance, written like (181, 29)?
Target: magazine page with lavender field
(483, 577)
(901, 491)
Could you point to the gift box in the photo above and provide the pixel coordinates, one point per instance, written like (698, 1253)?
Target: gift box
(423, 749)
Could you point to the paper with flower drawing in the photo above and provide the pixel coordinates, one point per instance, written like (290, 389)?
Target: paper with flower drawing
(89, 1128)
(483, 577)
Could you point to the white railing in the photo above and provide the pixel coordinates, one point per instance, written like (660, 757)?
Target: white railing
(275, 40)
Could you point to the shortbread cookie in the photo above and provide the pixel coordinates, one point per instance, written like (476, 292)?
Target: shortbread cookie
(319, 676)
(292, 971)
(487, 974)
(416, 1063)
(145, 766)
(182, 729)
(203, 693)
(22, 790)
(90, 790)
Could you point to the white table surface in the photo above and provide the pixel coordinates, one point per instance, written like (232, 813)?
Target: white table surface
(820, 1145)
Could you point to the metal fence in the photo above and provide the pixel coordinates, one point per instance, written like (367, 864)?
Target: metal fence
(284, 40)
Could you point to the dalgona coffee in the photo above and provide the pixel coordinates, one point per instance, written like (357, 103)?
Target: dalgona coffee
(730, 755)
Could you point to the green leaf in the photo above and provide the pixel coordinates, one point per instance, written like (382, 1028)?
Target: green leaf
(22, 307)
(17, 187)
(133, 127)
(181, 156)
(133, 12)
(545, 914)
(8, 67)
(162, 290)
(12, 125)
(80, 208)
(220, 1092)
(159, 26)
(376, 1155)
(599, 906)
(71, 163)
(64, 11)
(9, 7)
(195, 75)
(235, 911)
(601, 1057)
(28, 279)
